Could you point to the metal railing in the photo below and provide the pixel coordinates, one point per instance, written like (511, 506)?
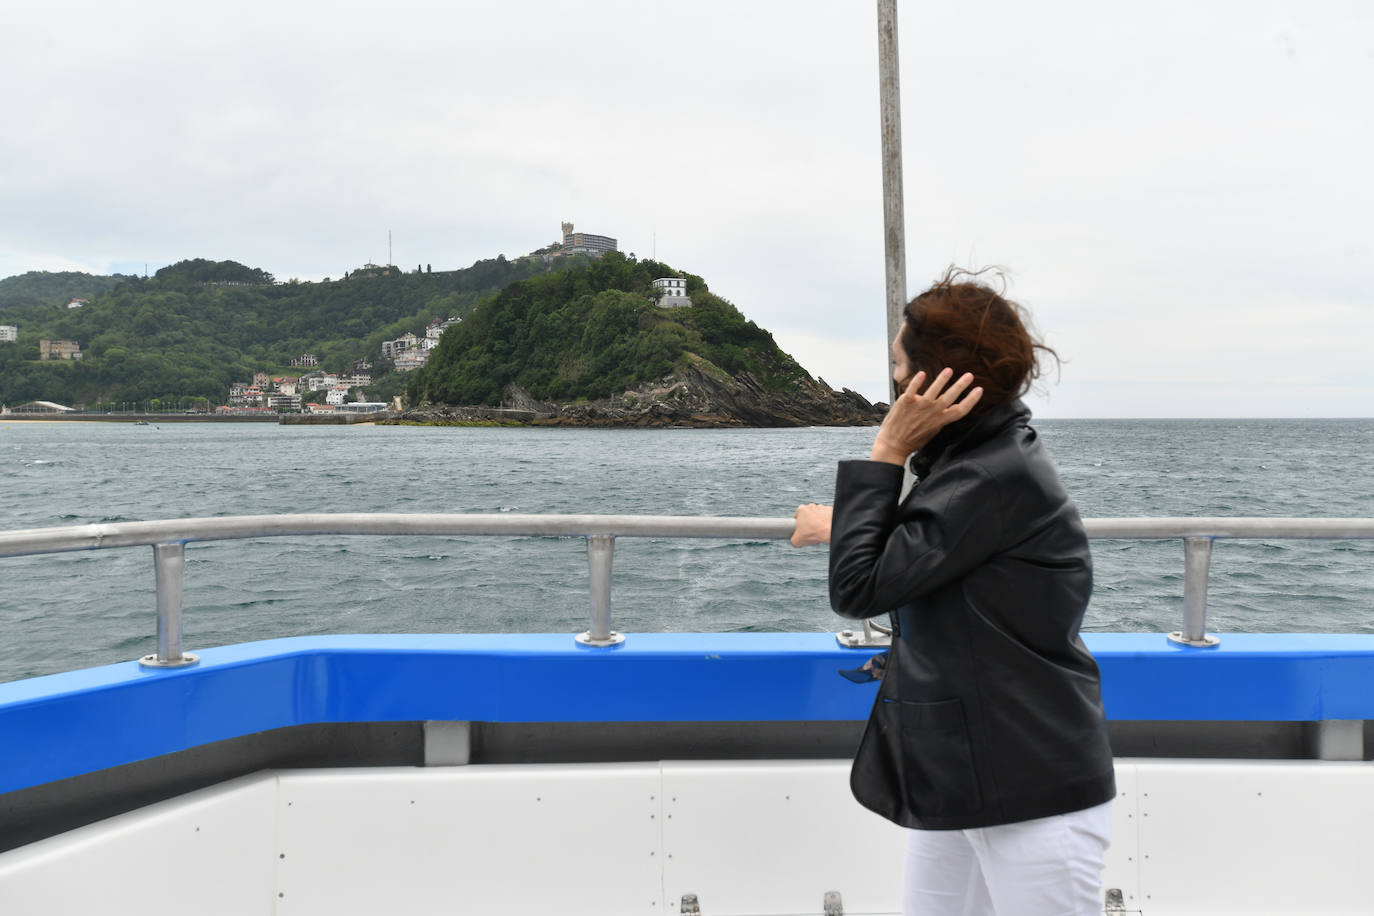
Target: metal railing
(169, 539)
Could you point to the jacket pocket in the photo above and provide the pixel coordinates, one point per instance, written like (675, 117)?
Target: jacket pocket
(936, 757)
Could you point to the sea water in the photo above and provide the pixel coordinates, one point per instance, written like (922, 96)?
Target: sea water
(60, 612)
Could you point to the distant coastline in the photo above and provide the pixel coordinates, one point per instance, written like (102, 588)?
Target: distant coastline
(77, 417)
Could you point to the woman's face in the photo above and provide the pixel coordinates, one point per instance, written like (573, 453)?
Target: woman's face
(902, 370)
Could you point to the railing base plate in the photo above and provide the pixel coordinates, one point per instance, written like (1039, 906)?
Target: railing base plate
(856, 639)
(152, 661)
(1206, 642)
(587, 639)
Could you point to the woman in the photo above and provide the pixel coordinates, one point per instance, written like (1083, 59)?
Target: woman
(987, 737)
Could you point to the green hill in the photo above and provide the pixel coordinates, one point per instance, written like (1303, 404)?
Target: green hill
(38, 288)
(592, 332)
(199, 325)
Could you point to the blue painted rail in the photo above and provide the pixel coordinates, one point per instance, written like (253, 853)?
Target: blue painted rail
(67, 724)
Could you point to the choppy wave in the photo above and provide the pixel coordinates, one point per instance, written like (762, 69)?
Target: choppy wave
(65, 611)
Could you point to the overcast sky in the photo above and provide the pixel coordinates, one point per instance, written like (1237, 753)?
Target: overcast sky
(1181, 192)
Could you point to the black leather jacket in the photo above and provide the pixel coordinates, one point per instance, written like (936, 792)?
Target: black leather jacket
(990, 710)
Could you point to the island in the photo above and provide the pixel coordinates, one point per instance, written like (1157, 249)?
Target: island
(575, 334)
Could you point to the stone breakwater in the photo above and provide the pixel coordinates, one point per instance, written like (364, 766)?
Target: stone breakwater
(696, 396)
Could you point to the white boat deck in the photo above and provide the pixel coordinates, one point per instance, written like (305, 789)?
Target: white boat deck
(749, 838)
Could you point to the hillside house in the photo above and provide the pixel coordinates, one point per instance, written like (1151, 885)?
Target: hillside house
(411, 359)
(9, 333)
(392, 348)
(674, 293)
(436, 330)
(319, 381)
(59, 349)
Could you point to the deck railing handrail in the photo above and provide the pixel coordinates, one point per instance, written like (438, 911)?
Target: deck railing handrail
(169, 537)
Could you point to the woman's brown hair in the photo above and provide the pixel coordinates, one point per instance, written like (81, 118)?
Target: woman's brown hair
(963, 323)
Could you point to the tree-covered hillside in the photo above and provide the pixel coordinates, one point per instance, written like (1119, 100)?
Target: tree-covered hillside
(199, 325)
(592, 332)
(38, 288)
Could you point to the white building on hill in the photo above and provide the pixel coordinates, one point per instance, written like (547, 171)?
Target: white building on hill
(674, 293)
(317, 382)
(436, 330)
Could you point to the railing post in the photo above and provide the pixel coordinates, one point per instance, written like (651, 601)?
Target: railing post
(894, 200)
(1197, 558)
(600, 553)
(169, 564)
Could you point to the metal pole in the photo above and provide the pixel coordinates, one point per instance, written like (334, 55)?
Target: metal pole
(1197, 558)
(600, 553)
(894, 220)
(169, 562)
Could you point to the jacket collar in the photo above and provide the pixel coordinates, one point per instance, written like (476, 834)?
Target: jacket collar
(969, 432)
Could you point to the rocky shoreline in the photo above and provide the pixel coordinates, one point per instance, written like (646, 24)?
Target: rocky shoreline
(698, 395)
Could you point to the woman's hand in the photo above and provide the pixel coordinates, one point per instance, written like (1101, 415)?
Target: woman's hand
(813, 525)
(915, 416)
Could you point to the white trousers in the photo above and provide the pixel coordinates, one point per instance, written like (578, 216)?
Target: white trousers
(1051, 866)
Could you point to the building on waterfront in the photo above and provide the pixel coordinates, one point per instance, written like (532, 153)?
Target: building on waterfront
(306, 359)
(585, 242)
(9, 333)
(674, 293)
(58, 349)
(245, 411)
(242, 394)
(40, 407)
(336, 395)
(284, 401)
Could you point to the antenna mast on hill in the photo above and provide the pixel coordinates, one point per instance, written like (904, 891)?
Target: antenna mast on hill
(388, 248)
